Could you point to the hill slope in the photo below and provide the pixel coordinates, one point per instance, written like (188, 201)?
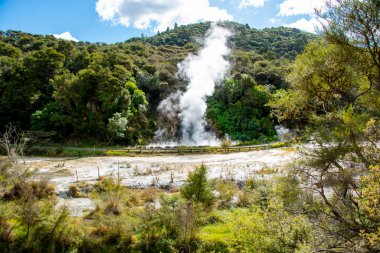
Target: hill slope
(110, 93)
(283, 41)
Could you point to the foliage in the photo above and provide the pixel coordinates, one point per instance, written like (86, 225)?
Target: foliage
(75, 88)
(278, 41)
(272, 227)
(226, 191)
(336, 84)
(323, 79)
(33, 223)
(279, 216)
(196, 187)
(354, 24)
(117, 125)
(369, 201)
(112, 193)
(238, 108)
(274, 231)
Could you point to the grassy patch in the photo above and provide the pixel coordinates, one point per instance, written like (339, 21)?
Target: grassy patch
(218, 230)
(279, 144)
(59, 151)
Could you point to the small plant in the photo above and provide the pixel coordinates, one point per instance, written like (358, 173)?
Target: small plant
(148, 171)
(136, 171)
(226, 142)
(42, 189)
(196, 187)
(80, 189)
(227, 190)
(112, 192)
(74, 191)
(155, 181)
(37, 189)
(267, 171)
(149, 195)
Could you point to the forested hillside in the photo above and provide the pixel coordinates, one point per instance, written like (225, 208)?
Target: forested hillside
(109, 93)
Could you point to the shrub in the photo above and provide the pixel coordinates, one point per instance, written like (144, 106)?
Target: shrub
(196, 187)
(74, 191)
(226, 191)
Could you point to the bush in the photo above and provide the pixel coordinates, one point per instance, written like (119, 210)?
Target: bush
(226, 190)
(38, 189)
(196, 187)
(74, 191)
(256, 192)
(112, 193)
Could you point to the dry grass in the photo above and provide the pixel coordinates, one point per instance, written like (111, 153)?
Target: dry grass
(267, 171)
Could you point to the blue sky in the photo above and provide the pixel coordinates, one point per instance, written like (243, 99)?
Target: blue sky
(113, 21)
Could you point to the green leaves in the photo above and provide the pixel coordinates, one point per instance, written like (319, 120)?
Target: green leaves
(117, 125)
(196, 187)
(238, 108)
(89, 83)
(334, 92)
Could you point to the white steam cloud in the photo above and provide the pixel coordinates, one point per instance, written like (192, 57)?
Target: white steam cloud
(203, 71)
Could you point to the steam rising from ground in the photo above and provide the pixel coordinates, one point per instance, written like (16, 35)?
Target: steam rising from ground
(203, 71)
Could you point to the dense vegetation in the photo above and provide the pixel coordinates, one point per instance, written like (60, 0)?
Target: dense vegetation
(128, 220)
(277, 41)
(109, 93)
(239, 109)
(327, 201)
(334, 93)
(267, 216)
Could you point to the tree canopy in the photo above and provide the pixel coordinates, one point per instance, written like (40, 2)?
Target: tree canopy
(94, 92)
(334, 96)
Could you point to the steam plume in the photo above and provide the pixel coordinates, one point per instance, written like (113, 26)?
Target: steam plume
(203, 71)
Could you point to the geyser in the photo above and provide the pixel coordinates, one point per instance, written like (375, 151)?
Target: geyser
(186, 111)
(203, 71)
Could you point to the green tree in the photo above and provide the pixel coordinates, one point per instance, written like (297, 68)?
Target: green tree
(355, 24)
(197, 188)
(238, 108)
(117, 125)
(28, 85)
(338, 113)
(49, 84)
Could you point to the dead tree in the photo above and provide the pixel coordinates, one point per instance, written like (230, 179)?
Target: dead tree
(13, 142)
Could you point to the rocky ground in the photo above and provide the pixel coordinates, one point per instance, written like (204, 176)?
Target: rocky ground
(157, 171)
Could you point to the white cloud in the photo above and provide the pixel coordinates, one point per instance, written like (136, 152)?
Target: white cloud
(65, 36)
(251, 3)
(298, 7)
(160, 14)
(312, 25)
(273, 20)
